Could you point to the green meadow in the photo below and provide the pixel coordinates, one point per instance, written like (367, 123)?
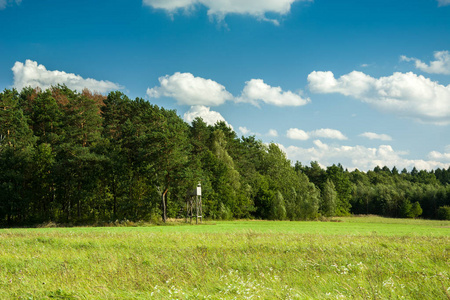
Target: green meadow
(350, 258)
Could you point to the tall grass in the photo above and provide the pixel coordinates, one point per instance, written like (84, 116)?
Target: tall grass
(229, 260)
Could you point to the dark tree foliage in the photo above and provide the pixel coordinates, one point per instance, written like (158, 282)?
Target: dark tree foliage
(80, 158)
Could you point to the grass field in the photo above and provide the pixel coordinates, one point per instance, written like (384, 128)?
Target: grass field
(357, 258)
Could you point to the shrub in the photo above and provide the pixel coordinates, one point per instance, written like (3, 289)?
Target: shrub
(443, 213)
(416, 210)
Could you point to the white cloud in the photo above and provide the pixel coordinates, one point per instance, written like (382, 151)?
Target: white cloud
(220, 8)
(444, 2)
(170, 5)
(376, 136)
(404, 94)
(439, 156)
(34, 75)
(298, 134)
(247, 132)
(440, 66)
(244, 130)
(190, 90)
(209, 116)
(272, 133)
(4, 3)
(256, 90)
(359, 157)
(328, 133)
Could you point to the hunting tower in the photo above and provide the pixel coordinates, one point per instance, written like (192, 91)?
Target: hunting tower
(194, 204)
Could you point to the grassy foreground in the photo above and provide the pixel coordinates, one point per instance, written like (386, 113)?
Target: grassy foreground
(358, 258)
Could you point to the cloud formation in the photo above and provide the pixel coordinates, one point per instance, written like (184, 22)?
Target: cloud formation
(404, 94)
(244, 130)
(34, 75)
(247, 132)
(256, 91)
(4, 3)
(218, 9)
(435, 155)
(444, 2)
(190, 90)
(376, 136)
(272, 133)
(328, 133)
(440, 66)
(358, 157)
(298, 134)
(209, 116)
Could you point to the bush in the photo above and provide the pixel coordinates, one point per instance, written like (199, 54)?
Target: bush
(278, 209)
(416, 210)
(443, 213)
(225, 212)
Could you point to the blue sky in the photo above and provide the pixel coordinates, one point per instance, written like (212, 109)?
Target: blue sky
(362, 83)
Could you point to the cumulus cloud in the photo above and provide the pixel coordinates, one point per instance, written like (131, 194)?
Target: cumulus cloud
(358, 157)
(404, 94)
(444, 2)
(170, 5)
(248, 132)
(376, 136)
(328, 133)
(439, 156)
(218, 9)
(440, 66)
(244, 130)
(34, 75)
(256, 90)
(272, 133)
(190, 90)
(209, 116)
(298, 134)
(4, 3)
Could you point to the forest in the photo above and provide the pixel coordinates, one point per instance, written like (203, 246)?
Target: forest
(81, 158)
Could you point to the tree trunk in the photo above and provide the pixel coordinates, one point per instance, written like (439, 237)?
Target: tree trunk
(114, 199)
(164, 211)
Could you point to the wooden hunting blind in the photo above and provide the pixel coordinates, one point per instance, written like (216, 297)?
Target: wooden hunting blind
(194, 204)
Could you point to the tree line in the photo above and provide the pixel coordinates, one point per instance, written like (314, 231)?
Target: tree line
(80, 157)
